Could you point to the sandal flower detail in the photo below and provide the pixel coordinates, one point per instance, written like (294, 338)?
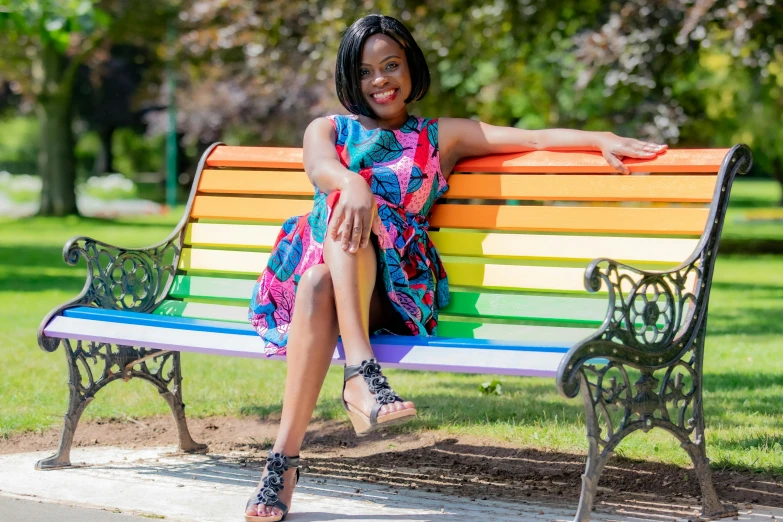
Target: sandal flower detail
(271, 484)
(379, 386)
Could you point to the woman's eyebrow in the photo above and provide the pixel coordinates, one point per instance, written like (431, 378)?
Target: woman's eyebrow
(385, 59)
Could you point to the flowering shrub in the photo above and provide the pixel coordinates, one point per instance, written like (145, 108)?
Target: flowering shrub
(113, 186)
(22, 188)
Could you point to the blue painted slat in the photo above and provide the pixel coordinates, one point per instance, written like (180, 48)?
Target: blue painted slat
(184, 323)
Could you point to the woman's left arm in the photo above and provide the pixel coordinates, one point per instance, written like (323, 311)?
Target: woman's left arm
(461, 138)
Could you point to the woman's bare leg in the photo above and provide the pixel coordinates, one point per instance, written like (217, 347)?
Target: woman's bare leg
(311, 341)
(354, 278)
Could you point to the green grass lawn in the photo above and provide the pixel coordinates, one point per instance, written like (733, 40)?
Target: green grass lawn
(743, 380)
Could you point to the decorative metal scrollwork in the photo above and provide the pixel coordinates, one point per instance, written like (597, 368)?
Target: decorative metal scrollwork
(124, 279)
(620, 404)
(653, 316)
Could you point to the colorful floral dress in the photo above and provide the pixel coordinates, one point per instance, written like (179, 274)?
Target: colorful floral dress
(402, 168)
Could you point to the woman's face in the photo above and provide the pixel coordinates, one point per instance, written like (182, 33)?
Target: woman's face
(386, 80)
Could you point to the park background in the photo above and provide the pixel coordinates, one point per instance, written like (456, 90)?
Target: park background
(89, 89)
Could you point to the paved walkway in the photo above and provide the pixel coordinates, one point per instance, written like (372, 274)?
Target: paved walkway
(109, 484)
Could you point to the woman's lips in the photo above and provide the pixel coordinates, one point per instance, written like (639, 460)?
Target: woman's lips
(383, 100)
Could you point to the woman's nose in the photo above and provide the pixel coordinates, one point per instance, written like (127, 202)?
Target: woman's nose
(380, 81)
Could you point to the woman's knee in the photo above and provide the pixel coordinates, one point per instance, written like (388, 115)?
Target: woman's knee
(316, 284)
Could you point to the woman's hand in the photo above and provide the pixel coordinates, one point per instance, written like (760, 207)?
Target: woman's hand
(353, 216)
(614, 148)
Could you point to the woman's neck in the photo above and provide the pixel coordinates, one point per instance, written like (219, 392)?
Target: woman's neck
(392, 123)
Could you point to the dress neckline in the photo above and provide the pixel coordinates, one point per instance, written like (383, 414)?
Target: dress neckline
(365, 129)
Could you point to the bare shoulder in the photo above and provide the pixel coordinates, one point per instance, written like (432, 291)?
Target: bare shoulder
(453, 135)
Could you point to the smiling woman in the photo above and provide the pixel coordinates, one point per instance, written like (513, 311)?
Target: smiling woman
(362, 260)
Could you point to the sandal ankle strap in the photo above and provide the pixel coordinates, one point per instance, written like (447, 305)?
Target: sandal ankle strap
(376, 381)
(280, 462)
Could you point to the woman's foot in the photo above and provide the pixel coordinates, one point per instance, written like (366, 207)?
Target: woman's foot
(265, 503)
(367, 389)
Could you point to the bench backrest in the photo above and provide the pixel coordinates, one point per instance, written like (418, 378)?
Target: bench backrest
(516, 231)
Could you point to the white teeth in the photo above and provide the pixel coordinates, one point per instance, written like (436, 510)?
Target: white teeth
(383, 95)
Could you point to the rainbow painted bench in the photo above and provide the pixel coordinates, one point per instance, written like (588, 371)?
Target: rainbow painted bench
(516, 232)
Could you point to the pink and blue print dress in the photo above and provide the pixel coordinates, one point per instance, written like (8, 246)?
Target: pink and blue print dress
(402, 168)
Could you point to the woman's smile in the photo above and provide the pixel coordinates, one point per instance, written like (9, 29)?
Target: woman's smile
(385, 97)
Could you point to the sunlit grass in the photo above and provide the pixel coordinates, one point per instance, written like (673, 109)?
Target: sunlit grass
(743, 379)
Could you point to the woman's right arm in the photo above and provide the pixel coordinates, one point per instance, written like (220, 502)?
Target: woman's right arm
(352, 218)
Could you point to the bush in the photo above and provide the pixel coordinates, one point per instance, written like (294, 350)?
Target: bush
(113, 186)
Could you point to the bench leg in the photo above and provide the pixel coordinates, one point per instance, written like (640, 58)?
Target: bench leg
(596, 457)
(82, 388)
(84, 382)
(173, 397)
(697, 450)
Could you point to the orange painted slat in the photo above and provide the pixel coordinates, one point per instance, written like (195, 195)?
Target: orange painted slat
(582, 187)
(535, 162)
(252, 209)
(557, 162)
(491, 186)
(656, 221)
(295, 183)
(263, 157)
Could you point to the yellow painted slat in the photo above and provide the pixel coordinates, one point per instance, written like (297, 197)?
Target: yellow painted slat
(223, 261)
(480, 244)
(531, 246)
(250, 236)
(463, 274)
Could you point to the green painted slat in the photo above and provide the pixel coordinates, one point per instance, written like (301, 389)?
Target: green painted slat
(510, 306)
(577, 310)
(446, 328)
(212, 287)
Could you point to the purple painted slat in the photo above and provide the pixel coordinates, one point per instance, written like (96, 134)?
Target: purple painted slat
(389, 354)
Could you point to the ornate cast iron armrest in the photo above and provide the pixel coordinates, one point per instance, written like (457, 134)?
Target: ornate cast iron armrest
(133, 279)
(650, 321)
(647, 324)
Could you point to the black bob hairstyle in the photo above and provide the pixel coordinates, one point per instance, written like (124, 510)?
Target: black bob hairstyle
(349, 60)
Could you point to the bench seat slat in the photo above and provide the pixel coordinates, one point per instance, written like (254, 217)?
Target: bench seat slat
(470, 243)
(679, 160)
(484, 275)
(446, 326)
(655, 221)
(559, 309)
(489, 186)
(544, 278)
(416, 353)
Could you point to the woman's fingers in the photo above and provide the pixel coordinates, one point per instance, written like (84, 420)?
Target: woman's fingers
(615, 163)
(334, 222)
(346, 230)
(356, 233)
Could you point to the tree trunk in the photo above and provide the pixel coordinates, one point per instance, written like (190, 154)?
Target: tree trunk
(104, 161)
(777, 173)
(56, 161)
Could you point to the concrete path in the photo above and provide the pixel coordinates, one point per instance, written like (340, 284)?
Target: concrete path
(110, 484)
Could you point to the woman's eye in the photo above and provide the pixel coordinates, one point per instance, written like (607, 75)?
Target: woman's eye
(392, 65)
(364, 72)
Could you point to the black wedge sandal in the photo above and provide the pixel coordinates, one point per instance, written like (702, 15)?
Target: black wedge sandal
(362, 424)
(272, 483)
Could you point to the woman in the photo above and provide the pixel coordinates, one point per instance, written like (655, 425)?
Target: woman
(362, 261)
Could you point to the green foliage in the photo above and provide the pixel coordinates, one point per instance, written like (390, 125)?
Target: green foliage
(493, 387)
(19, 142)
(52, 20)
